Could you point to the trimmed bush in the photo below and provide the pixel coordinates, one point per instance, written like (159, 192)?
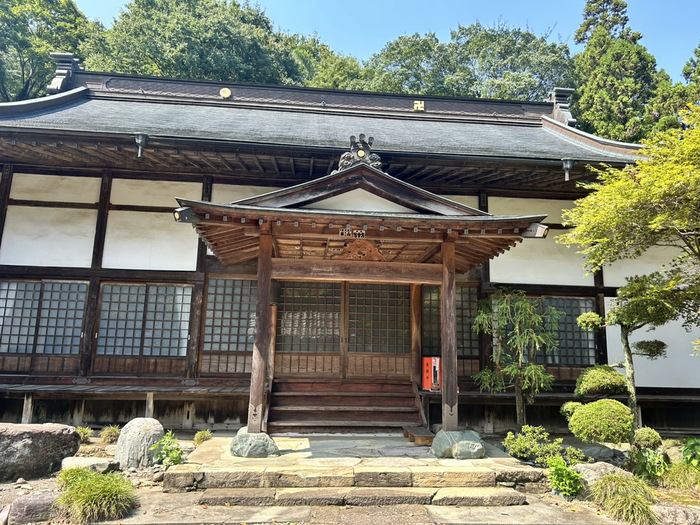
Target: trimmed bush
(90, 497)
(625, 498)
(646, 437)
(603, 421)
(601, 380)
(85, 434)
(202, 436)
(567, 409)
(110, 434)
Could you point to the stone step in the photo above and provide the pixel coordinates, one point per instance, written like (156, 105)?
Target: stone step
(181, 478)
(362, 496)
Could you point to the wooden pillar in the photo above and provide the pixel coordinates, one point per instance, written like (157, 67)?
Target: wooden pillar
(271, 348)
(149, 405)
(78, 412)
(188, 415)
(258, 373)
(416, 319)
(448, 318)
(27, 409)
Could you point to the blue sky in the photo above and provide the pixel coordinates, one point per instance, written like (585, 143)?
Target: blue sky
(670, 27)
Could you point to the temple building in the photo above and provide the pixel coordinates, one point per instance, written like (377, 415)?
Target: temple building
(292, 259)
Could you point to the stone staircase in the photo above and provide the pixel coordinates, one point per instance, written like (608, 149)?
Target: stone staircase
(321, 478)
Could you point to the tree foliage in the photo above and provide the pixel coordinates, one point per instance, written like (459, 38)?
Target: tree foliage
(479, 61)
(654, 202)
(29, 31)
(204, 39)
(523, 330)
(621, 95)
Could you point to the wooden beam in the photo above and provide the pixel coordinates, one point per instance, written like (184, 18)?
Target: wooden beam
(27, 409)
(149, 405)
(416, 320)
(258, 374)
(356, 271)
(448, 314)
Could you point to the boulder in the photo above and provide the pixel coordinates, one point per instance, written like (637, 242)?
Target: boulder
(135, 441)
(32, 451)
(35, 508)
(458, 444)
(592, 472)
(256, 445)
(99, 465)
(675, 514)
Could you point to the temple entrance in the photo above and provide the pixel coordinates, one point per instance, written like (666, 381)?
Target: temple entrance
(343, 330)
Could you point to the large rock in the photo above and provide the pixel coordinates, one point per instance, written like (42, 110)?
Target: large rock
(592, 472)
(32, 451)
(135, 441)
(35, 508)
(458, 444)
(256, 445)
(675, 514)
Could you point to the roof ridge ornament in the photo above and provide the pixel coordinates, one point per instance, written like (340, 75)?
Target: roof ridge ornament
(66, 65)
(360, 152)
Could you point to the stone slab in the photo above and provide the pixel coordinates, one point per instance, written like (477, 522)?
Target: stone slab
(519, 475)
(308, 477)
(233, 478)
(180, 478)
(383, 477)
(238, 497)
(312, 496)
(453, 477)
(478, 496)
(366, 496)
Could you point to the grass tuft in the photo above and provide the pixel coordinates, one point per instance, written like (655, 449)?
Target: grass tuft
(625, 498)
(85, 434)
(681, 476)
(110, 434)
(202, 436)
(90, 497)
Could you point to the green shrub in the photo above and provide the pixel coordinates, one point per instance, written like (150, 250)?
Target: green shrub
(202, 436)
(602, 421)
(169, 451)
(645, 437)
(90, 496)
(532, 443)
(85, 434)
(568, 408)
(600, 380)
(562, 478)
(681, 476)
(70, 476)
(625, 498)
(691, 451)
(110, 434)
(648, 464)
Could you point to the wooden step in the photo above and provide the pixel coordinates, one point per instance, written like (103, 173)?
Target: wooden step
(419, 435)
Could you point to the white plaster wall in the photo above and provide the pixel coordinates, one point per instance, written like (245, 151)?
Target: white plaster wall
(55, 188)
(153, 193)
(359, 200)
(48, 237)
(650, 261)
(149, 241)
(679, 369)
(231, 193)
(468, 200)
(512, 206)
(540, 261)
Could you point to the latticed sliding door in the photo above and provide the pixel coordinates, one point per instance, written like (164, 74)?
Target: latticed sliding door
(309, 329)
(379, 330)
(332, 329)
